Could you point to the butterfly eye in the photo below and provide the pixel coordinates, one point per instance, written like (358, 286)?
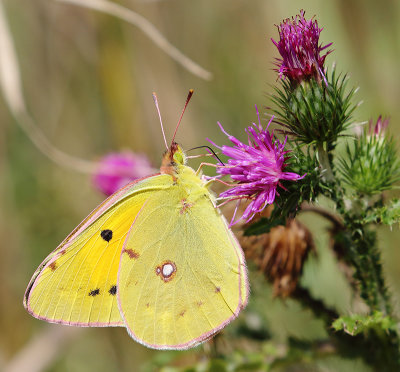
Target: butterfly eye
(179, 157)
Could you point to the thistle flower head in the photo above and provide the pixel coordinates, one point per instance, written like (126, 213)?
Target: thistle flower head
(116, 170)
(302, 55)
(257, 168)
(372, 165)
(280, 254)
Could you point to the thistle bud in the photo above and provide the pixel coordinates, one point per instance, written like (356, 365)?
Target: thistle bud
(313, 112)
(372, 165)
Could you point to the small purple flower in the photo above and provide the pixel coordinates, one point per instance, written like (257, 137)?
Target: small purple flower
(299, 48)
(258, 168)
(380, 127)
(116, 170)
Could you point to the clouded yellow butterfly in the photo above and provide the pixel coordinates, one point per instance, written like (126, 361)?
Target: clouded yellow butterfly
(156, 257)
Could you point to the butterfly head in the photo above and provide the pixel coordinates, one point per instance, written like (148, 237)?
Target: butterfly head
(173, 159)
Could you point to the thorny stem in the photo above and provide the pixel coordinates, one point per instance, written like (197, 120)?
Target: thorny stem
(366, 259)
(319, 309)
(379, 352)
(362, 253)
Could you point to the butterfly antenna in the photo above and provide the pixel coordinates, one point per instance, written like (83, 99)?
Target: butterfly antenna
(159, 116)
(189, 96)
(210, 149)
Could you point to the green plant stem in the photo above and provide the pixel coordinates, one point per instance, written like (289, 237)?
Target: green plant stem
(365, 257)
(320, 310)
(323, 157)
(381, 351)
(363, 254)
(361, 251)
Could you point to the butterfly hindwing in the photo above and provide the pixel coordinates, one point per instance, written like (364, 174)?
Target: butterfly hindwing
(182, 275)
(77, 283)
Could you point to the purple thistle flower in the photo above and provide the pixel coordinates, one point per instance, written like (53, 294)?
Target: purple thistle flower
(380, 126)
(258, 168)
(116, 170)
(299, 48)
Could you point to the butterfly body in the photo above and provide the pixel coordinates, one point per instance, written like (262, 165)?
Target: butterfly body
(156, 257)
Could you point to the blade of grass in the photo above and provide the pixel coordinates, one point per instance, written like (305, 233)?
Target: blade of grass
(146, 27)
(11, 87)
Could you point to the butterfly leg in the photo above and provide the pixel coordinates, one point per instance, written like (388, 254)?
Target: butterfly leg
(198, 156)
(229, 184)
(203, 164)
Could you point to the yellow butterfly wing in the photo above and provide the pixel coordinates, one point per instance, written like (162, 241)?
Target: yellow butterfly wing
(77, 283)
(182, 275)
(156, 257)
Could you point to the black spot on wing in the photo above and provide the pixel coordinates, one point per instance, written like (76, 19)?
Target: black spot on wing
(113, 290)
(95, 292)
(106, 235)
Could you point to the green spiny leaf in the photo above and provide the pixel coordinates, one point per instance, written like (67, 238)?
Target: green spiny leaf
(358, 323)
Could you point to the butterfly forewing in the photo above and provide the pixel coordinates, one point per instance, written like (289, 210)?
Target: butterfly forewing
(182, 275)
(77, 284)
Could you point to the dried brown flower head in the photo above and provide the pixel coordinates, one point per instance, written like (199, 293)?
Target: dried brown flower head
(280, 254)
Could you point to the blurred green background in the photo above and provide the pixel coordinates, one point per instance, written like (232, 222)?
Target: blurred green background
(87, 80)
